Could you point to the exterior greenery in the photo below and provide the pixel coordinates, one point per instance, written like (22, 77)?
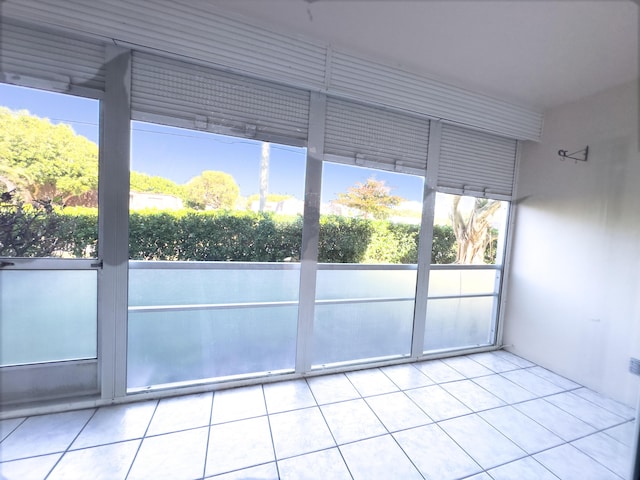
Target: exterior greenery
(220, 235)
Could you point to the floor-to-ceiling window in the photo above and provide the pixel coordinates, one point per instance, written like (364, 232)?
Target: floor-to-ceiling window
(215, 228)
(366, 279)
(465, 277)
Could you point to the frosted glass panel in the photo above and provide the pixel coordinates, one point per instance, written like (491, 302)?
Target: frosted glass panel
(345, 284)
(356, 331)
(459, 322)
(201, 343)
(462, 282)
(172, 286)
(353, 332)
(166, 347)
(47, 315)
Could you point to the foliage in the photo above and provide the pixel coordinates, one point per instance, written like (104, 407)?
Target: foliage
(43, 161)
(372, 198)
(141, 182)
(343, 240)
(444, 246)
(212, 190)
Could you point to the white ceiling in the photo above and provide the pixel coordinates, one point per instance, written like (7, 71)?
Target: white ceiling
(539, 53)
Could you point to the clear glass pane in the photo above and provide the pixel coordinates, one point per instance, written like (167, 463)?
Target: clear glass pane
(452, 281)
(48, 174)
(205, 202)
(468, 230)
(351, 332)
(459, 322)
(47, 316)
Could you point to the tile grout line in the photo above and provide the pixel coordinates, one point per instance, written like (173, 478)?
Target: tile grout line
(95, 411)
(273, 443)
(144, 436)
(206, 450)
(337, 447)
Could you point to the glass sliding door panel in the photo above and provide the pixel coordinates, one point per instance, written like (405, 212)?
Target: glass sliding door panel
(459, 322)
(47, 316)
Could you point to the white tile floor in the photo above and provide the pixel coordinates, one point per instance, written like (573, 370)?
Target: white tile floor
(483, 416)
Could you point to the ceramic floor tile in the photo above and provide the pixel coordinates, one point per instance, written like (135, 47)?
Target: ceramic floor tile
(267, 471)
(439, 371)
(174, 456)
(481, 441)
(493, 362)
(467, 367)
(569, 463)
(504, 389)
(607, 451)
(240, 444)
(9, 425)
(289, 395)
(106, 462)
(479, 476)
(116, 423)
(435, 454)
(585, 410)
(371, 382)
(533, 383)
(437, 402)
(561, 423)
(300, 431)
(520, 429)
(515, 359)
(332, 388)
(238, 404)
(44, 434)
(523, 469)
(406, 376)
(472, 395)
(352, 420)
(181, 413)
(624, 433)
(397, 411)
(618, 408)
(35, 468)
(323, 465)
(561, 381)
(378, 458)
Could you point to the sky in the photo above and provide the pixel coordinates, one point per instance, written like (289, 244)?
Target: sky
(181, 154)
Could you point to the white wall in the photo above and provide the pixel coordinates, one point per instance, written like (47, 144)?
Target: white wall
(573, 298)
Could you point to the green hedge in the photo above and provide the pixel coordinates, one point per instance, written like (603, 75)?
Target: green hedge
(244, 236)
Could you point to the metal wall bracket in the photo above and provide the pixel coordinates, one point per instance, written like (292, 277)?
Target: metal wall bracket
(580, 155)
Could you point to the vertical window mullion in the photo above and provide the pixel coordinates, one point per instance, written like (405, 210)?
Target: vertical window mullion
(310, 231)
(113, 201)
(426, 239)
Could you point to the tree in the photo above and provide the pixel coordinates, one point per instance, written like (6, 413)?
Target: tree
(141, 182)
(212, 190)
(43, 161)
(372, 198)
(473, 230)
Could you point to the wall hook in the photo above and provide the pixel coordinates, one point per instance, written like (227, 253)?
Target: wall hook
(580, 155)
